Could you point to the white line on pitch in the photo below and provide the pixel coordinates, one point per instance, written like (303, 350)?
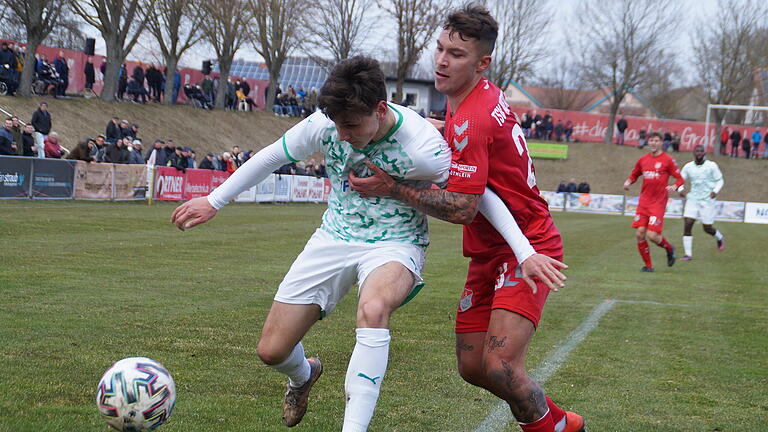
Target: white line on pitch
(710, 306)
(498, 419)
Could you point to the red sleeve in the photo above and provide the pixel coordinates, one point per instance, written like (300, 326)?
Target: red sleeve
(636, 172)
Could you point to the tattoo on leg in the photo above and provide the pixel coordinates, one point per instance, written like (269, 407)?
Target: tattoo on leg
(523, 395)
(494, 342)
(464, 347)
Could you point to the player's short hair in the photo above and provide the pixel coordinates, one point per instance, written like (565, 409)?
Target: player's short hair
(655, 134)
(355, 85)
(473, 21)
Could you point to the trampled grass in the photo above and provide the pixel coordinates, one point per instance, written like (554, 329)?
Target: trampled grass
(85, 284)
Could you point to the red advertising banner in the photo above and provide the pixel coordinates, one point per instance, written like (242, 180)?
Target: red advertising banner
(326, 189)
(589, 127)
(218, 177)
(169, 184)
(198, 183)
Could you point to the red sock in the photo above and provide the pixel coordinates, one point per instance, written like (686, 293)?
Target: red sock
(665, 244)
(555, 411)
(642, 246)
(543, 424)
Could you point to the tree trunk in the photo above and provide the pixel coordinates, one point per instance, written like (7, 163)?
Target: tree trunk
(28, 74)
(612, 117)
(269, 100)
(114, 61)
(398, 98)
(221, 93)
(170, 74)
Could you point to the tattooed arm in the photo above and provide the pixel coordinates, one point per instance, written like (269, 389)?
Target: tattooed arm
(455, 207)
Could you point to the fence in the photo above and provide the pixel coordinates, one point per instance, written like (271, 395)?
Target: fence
(25, 177)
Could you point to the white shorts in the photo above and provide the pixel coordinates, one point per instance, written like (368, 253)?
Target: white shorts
(327, 268)
(701, 210)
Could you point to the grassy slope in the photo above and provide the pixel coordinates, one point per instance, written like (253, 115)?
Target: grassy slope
(604, 167)
(84, 284)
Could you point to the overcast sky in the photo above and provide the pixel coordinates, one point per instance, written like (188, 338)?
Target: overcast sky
(561, 30)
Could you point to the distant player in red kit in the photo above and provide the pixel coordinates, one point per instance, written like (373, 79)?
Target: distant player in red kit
(500, 306)
(655, 168)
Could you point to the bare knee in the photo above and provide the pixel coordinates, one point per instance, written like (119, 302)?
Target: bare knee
(472, 373)
(640, 235)
(270, 353)
(373, 313)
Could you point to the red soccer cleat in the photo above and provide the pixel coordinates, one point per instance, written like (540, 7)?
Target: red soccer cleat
(574, 422)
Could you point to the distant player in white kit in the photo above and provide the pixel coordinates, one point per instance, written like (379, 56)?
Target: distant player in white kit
(706, 182)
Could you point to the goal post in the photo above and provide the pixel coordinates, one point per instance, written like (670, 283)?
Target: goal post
(711, 107)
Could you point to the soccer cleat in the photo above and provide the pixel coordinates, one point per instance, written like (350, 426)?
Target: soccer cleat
(671, 257)
(721, 244)
(647, 270)
(296, 399)
(686, 258)
(574, 423)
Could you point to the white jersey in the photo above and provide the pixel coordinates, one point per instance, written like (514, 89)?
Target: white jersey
(413, 150)
(704, 178)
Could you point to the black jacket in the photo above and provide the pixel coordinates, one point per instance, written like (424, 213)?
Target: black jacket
(27, 141)
(206, 164)
(90, 74)
(113, 131)
(41, 120)
(116, 154)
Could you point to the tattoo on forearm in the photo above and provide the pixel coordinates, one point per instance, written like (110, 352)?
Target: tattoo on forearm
(440, 203)
(494, 342)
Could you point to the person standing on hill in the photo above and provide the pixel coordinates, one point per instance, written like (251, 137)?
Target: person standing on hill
(706, 182)
(41, 120)
(655, 167)
(735, 142)
(621, 127)
(756, 138)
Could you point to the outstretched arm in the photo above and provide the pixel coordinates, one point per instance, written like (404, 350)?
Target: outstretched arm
(202, 209)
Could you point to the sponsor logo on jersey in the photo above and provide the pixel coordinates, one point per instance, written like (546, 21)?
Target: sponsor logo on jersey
(650, 175)
(657, 165)
(501, 111)
(462, 171)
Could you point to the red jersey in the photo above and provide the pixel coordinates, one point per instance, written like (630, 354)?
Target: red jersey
(489, 148)
(655, 171)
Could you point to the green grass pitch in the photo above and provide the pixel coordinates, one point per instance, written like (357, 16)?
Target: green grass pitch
(85, 284)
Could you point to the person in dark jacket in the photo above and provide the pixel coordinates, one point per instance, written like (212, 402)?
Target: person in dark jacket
(134, 154)
(179, 160)
(735, 141)
(28, 141)
(113, 130)
(82, 151)
(90, 76)
(161, 157)
(207, 162)
(41, 120)
(137, 91)
(7, 146)
(116, 153)
(62, 68)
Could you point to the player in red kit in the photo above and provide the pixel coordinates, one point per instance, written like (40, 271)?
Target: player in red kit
(500, 307)
(655, 168)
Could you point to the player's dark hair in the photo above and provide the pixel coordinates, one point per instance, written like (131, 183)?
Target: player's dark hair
(355, 85)
(655, 134)
(473, 21)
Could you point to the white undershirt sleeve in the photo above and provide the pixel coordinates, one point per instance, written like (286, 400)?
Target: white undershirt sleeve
(249, 174)
(720, 182)
(497, 213)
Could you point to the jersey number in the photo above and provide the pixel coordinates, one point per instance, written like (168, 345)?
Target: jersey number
(522, 147)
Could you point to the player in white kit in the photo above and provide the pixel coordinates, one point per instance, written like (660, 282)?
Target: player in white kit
(378, 243)
(706, 182)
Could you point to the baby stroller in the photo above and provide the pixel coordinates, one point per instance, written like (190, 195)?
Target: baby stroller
(6, 80)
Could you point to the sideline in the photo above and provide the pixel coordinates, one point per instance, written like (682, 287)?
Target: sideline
(500, 417)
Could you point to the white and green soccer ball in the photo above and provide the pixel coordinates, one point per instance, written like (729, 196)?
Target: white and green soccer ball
(136, 394)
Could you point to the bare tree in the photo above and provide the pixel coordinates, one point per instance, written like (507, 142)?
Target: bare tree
(224, 28)
(416, 22)
(120, 23)
(38, 17)
(176, 27)
(622, 42)
(563, 87)
(67, 33)
(728, 47)
(523, 25)
(335, 27)
(274, 36)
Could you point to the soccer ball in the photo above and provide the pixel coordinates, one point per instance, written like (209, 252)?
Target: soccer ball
(136, 394)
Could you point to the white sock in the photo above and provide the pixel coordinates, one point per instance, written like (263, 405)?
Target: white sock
(364, 375)
(295, 366)
(688, 245)
(718, 235)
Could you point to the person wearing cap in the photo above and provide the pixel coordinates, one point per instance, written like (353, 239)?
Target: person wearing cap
(207, 162)
(179, 159)
(161, 157)
(134, 155)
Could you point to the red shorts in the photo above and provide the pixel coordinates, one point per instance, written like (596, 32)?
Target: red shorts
(653, 220)
(497, 284)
